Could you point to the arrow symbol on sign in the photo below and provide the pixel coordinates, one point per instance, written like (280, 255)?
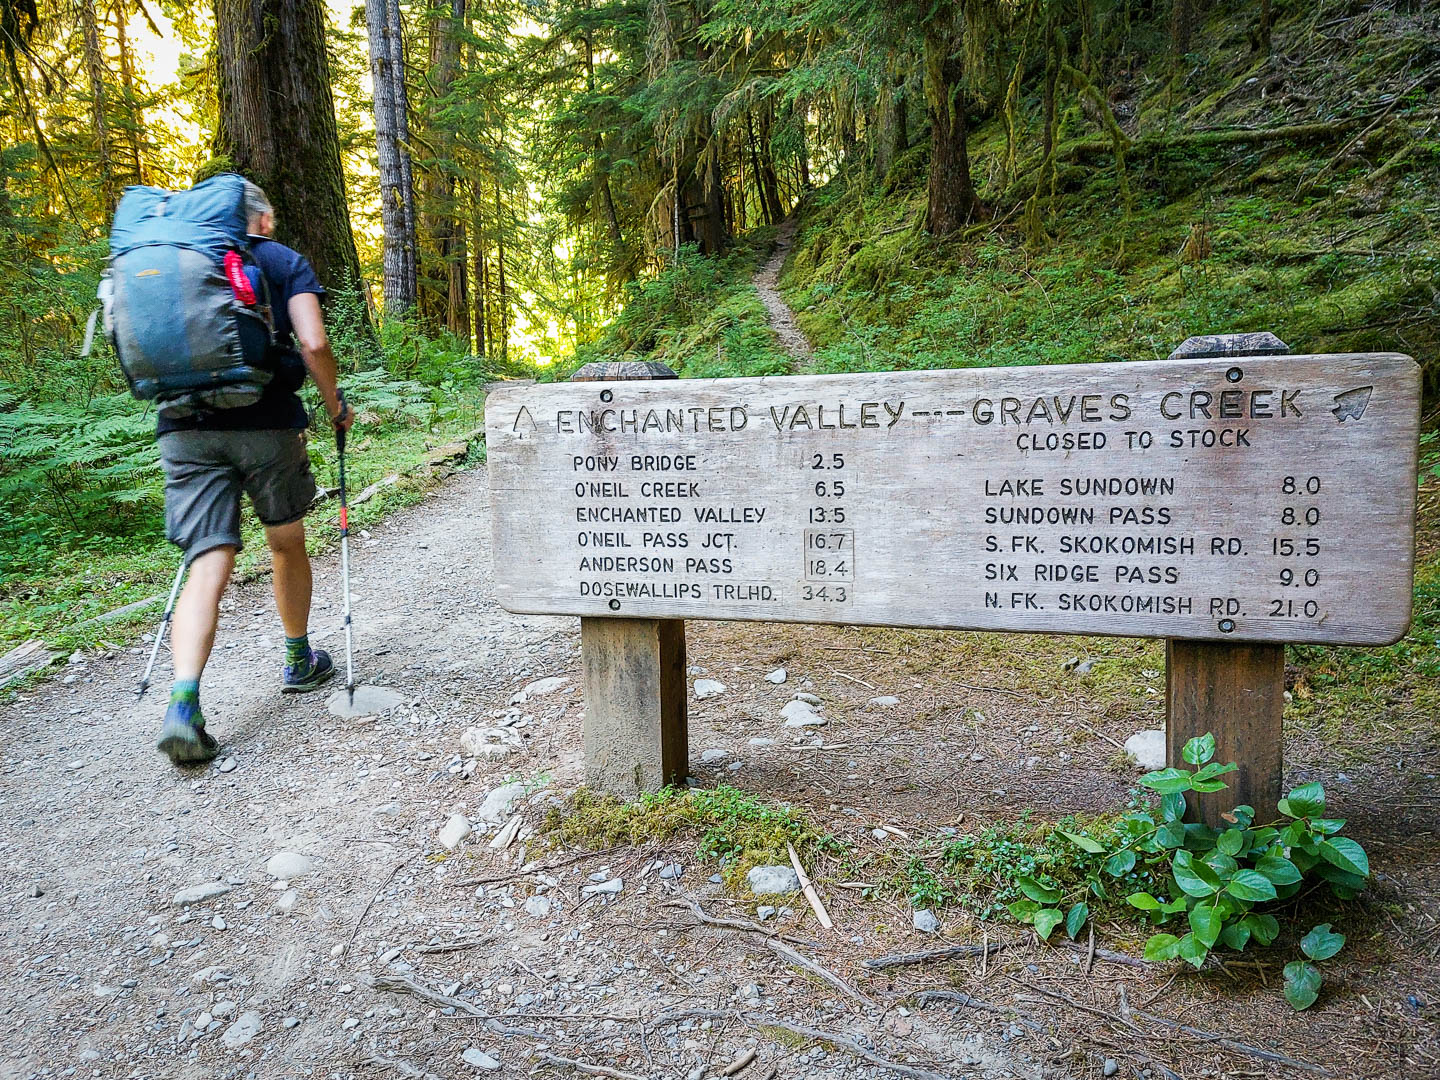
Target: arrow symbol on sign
(1351, 404)
(524, 414)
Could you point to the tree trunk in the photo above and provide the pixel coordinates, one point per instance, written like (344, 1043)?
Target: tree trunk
(392, 203)
(952, 202)
(443, 299)
(1182, 26)
(277, 125)
(480, 282)
(95, 69)
(893, 137)
(769, 180)
(502, 293)
(396, 35)
(132, 104)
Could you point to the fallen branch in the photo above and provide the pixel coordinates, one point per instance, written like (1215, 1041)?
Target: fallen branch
(925, 997)
(693, 906)
(375, 489)
(808, 888)
(457, 944)
(401, 984)
(846, 1043)
(401, 1066)
(1117, 958)
(585, 1067)
(989, 689)
(388, 878)
(741, 1062)
(815, 969)
(956, 952)
(1175, 1025)
(1295, 133)
(492, 879)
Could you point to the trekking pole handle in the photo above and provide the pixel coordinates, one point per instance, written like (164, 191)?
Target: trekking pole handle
(339, 419)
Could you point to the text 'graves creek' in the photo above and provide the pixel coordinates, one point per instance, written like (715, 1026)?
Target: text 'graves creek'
(1263, 498)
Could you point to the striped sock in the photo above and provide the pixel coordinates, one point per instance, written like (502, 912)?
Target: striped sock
(297, 650)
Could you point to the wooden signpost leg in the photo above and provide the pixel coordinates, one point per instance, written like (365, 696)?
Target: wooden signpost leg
(635, 730)
(635, 735)
(1235, 692)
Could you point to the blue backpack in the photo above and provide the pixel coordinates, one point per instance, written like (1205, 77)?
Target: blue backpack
(184, 304)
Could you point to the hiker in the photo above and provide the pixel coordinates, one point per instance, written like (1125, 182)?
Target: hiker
(211, 455)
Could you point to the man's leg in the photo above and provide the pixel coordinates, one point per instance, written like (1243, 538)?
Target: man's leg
(292, 579)
(202, 515)
(192, 634)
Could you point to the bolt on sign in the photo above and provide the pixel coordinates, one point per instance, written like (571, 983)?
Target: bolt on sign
(1246, 499)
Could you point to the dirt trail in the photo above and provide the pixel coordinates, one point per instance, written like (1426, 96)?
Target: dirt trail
(782, 319)
(105, 974)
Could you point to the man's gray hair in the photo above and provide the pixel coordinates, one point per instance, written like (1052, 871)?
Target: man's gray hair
(256, 202)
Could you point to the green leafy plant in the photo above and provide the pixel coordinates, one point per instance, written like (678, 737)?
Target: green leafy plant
(1218, 880)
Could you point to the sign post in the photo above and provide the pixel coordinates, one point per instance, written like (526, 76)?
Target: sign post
(636, 736)
(1234, 691)
(1229, 504)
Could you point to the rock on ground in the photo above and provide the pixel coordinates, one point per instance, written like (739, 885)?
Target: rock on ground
(479, 1059)
(286, 865)
(496, 806)
(802, 714)
(707, 688)
(768, 880)
(1148, 749)
(198, 894)
(454, 832)
(242, 1030)
(926, 922)
(778, 676)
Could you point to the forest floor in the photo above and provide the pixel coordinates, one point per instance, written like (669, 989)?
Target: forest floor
(107, 974)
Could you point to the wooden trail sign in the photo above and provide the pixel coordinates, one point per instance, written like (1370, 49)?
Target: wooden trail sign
(1258, 498)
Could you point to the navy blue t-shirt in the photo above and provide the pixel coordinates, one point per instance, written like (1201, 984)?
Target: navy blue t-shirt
(287, 273)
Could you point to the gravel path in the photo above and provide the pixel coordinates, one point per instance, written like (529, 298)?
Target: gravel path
(782, 319)
(106, 972)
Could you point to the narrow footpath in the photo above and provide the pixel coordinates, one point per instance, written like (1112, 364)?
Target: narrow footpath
(782, 319)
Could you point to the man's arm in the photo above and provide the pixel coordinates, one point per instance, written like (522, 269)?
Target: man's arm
(309, 326)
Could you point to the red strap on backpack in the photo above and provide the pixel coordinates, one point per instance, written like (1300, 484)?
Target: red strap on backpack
(239, 283)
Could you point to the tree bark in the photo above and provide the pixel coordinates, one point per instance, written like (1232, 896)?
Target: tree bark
(502, 292)
(952, 202)
(132, 104)
(95, 69)
(392, 205)
(277, 125)
(443, 299)
(480, 282)
(396, 34)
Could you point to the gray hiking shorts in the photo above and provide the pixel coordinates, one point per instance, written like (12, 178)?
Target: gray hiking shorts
(205, 472)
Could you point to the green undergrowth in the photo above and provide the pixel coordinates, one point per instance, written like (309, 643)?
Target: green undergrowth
(1134, 870)
(60, 571)
(728, 826)
(1317, 241)
(701, 316)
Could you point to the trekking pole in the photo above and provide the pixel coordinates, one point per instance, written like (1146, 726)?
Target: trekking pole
(160, 632)
(345, 554)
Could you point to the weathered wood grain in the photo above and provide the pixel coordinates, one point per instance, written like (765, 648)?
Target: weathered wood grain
(965, 494)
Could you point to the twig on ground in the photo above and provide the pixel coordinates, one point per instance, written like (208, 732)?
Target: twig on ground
(1090, 952)
(401, 1066)
(492, 879)
(693, 906)
(955, 952)
(586, 1067)
(808, 888)
(961, 998)
(1175, 1025)
(457, 944)
(388, 878)
(989, 689)
(1098, 734)
(815, 969)
(401, 984)
(741, 1062)
(853, 679)
(844, 1042)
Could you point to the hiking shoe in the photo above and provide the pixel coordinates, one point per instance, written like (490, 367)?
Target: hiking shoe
(309, 674)
(184, 739)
